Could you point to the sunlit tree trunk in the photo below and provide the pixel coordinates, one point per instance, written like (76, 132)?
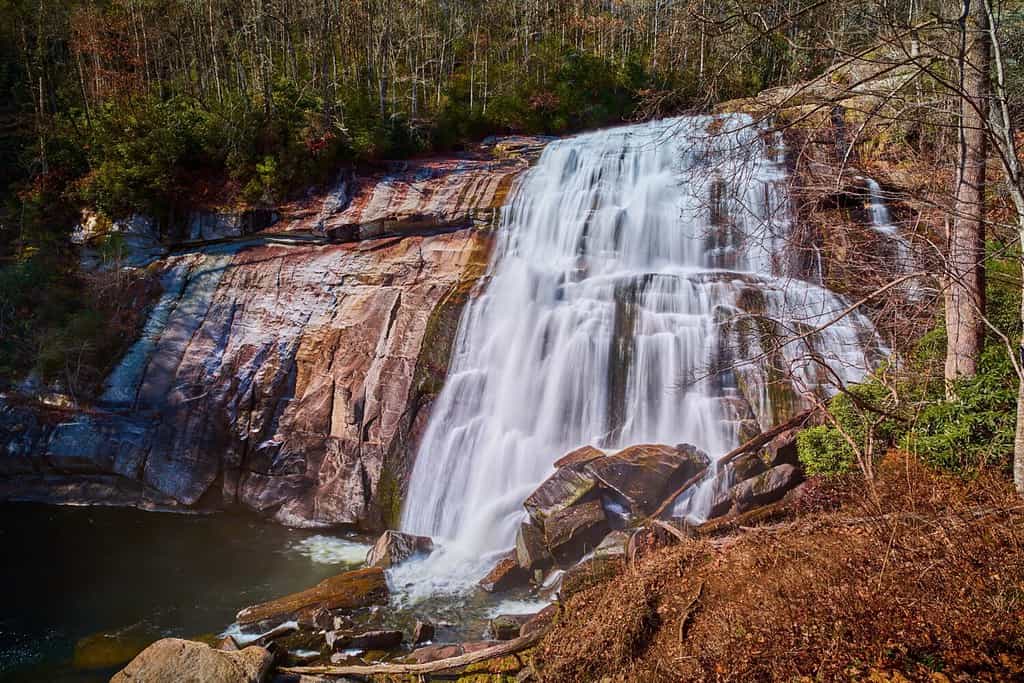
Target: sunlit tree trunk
(965, 290)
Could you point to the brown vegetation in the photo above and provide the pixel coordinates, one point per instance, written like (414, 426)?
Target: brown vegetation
(927, 586)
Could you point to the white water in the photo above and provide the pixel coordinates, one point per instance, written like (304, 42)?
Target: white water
(881, 222)
(636, 294)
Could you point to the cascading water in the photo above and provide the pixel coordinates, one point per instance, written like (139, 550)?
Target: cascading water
(640, 291)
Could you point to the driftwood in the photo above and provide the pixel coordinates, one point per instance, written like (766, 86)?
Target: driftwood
(440, 666)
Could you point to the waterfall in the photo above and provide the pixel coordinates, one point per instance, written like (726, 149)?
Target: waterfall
(881, 222)
(640, 291)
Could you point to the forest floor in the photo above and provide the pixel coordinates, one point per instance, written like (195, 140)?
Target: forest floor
(926, 583)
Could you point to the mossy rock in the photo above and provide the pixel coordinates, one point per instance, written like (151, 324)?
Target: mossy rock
(499, 665)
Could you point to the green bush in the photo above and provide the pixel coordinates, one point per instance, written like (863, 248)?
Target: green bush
(976, 428)
(863, 414)
(972, 430)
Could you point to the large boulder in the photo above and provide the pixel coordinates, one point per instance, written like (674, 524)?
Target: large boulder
(566, 487)
(765, 488)
(531, 551)
(580, 456)
(644, 476)
(173, 660)
(394, 547)
(571, 533)
(350, 590)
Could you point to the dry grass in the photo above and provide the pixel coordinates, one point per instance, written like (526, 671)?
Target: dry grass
(928, 586)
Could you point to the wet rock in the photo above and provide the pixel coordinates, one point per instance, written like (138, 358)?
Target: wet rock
(564, 488)
(506, 626)
(350, 590)
(173, 660)
(394, 547)
(580, 456)
(576, 530)
(531, 552)
(275, 633)
(645, 475)
(765, 488)
(369, 640)
(423, 632)
(228, 644)
(721, 504)
(613, 545)
(506, 574)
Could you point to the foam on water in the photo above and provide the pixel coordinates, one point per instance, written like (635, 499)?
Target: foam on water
(331, 550)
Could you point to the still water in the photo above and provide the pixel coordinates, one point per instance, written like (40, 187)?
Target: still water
(86, 587)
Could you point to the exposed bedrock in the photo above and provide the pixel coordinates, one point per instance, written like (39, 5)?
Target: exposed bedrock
(288, 376)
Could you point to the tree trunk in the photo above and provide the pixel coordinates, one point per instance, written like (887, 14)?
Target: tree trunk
(965, 291)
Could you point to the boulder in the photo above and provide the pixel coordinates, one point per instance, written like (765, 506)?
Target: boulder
(394, 547)
(506, 574)
(574, 531)
(423, 632)
(506, 626)
(580, 456)
(350, 590)
(368, 640)
(746, 467)
(765, 488)
(613, 545)
(565, 487)
(721, 503)
(531, 552)
(173, 660)
(645, 475)
(781, 450)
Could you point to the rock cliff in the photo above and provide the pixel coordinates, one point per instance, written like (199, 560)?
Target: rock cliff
(288, 370)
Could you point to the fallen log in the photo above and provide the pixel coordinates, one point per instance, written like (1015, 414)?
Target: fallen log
(440, 666)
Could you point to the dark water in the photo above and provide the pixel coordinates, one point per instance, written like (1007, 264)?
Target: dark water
(110, 580)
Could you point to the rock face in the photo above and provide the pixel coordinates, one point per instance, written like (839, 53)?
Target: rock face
(394, 547)
(278, 370)
(172, 660)
(350, 590)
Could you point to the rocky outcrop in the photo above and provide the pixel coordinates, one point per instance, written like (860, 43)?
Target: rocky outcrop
(278, 371)
(569, 512)
(172, 660)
